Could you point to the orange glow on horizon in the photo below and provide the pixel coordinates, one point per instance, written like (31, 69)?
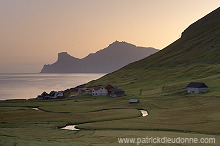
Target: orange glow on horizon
(33, 32)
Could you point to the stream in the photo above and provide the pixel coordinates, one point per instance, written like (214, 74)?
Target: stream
(72, 127)
(144, 113)
(37, 109)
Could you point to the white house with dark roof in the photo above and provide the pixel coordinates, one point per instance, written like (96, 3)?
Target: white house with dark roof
(56, 94)
(197, 87)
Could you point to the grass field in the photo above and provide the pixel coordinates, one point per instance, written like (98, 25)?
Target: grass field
(108, 119)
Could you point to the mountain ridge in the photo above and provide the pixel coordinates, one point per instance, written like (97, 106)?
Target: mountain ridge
(109, 59)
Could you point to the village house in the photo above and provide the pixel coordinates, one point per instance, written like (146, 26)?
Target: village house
(60, 94)
(115, 92)
(108, 87)
(56, 94)
(101, 90)
(197, 87)
(84, 90)
(74, 92)
(79, 91)
(44, 95)
(51, 95)
(134, 101)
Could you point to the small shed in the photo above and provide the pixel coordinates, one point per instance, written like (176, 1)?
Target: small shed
(134, 101)
(197, 87)
(115, 92)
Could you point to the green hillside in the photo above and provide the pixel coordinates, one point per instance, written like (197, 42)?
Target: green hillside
(194, 56)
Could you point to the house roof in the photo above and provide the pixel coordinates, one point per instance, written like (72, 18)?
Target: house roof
(108, 87)
(133, 100)
(44, 93)
(197, 85)
(97, 88)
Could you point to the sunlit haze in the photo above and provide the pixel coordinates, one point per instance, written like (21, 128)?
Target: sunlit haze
(32, 32)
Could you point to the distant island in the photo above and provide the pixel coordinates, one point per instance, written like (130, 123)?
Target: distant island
(112, 58)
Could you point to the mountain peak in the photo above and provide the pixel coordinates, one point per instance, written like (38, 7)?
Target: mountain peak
(119, 44)
(65, 56)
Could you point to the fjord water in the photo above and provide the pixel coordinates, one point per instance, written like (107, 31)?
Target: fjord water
(25, 86)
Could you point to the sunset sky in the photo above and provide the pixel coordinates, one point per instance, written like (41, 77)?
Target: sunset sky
(32, 32)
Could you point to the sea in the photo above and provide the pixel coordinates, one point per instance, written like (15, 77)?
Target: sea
(30, 85)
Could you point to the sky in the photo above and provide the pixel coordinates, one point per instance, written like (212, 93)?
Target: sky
(33, 32)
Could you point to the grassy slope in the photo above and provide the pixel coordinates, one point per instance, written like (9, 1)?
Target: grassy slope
(194, 56)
